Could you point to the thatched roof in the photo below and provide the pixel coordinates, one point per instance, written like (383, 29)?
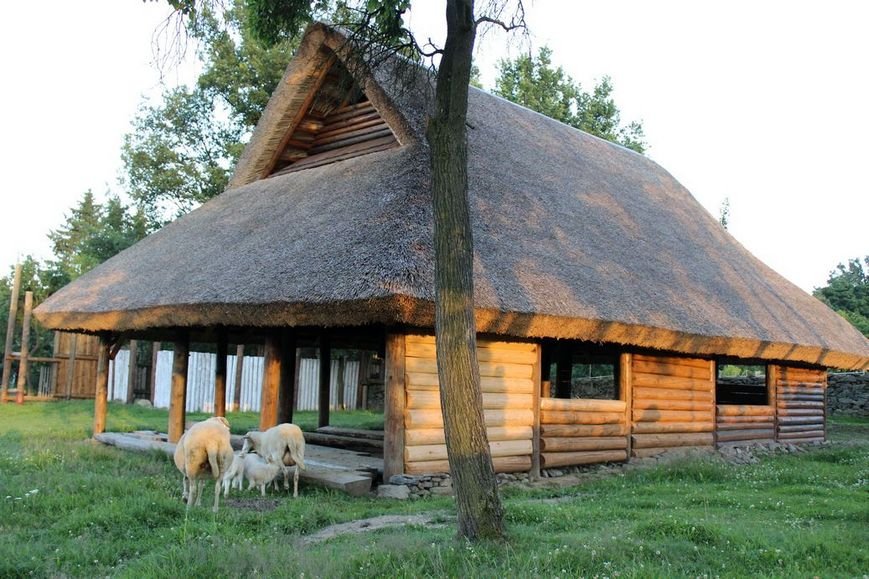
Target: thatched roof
(574, 237)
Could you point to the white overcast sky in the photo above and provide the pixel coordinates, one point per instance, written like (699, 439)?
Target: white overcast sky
(766, 103)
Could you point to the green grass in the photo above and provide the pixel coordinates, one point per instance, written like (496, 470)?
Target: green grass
(99, 511)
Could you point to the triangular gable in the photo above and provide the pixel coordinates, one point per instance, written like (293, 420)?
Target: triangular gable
(320, 113)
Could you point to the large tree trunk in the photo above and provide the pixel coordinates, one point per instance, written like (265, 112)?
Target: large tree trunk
(480, 514)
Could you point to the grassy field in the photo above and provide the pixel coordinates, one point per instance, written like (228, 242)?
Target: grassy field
(70, 507)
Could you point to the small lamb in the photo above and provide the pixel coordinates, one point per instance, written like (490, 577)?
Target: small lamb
(282, 445)
(203, 451)
(234, 475)
(259, 472)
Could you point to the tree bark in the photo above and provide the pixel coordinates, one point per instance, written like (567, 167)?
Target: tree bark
(480, 514)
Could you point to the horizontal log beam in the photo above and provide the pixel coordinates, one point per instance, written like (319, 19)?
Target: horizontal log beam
(745, 425)
(582, 430)
(804, 434)
(556, 459)
(557, 417)
(671, 394)
(497, 369)
(748, 434)
(801, 427)
(666, 427)
(670, 440)
(672, 416)
(744, 410)
(501, 464)
(645, 404)
(582, 405)
(484, 354)
(433, 452)
(583, 444)
(432, 418)
(645, 380)
(426, 381)
(430, 400)
(679, 371)
(673, 361)
(420, 437)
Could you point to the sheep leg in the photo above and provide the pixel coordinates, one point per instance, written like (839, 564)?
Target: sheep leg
(216, 495)
(262, 489)
(296, 481)
(185, 488)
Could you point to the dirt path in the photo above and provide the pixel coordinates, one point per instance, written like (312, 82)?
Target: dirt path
(372, 524)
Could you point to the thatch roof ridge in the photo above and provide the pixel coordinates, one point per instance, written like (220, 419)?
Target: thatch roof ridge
(575, 237)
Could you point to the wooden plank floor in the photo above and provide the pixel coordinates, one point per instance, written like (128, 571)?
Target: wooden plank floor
(343, 470)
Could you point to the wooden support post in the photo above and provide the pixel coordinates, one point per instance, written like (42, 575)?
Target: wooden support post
(362, 378)
(713, 371)
(772, 377)
(10, 333)
(55, 366)
(102, 386)
(393, 406)
(178, 396)
(325, 371)
(626, 393)
(564, 371)
(271, 382)
(239, 368)
(70, 364)
(220, 376)
(23, 365)
(132, 371)
(287, 395)
(339, 391)
(537, 377)
(155, 355)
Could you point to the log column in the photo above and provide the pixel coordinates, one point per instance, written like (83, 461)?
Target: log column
(287, 397)
(537, 376)
(102, 386)
(325, 371)
(626, 391)
(132, 371)
(239, 371)
(220, 376)
(393, 406)
(10, 333)
(271, 382)
(178, 397)
(23, 362)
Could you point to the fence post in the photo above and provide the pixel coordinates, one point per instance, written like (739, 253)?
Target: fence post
(10, 333)
(25, 348)
(70, 364)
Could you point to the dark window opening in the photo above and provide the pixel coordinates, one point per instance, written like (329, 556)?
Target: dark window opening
(578, 370)
(739, 383)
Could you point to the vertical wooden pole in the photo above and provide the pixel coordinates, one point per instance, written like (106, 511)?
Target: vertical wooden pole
(10, 333)
(239, 368)
(713, 371)
(155, 356)
(824, 386)
(23, 362)
(178, 396)
(220, 376)
(537, 376)
(325, 375)
(55, 366)
(773, 373)
(102, 385)
(564, 371)
(70, 364)
(393, 406)
(339, 391)
(287, 395)
(271, 382)
(361, 381)
(626, 393)
(132, 371)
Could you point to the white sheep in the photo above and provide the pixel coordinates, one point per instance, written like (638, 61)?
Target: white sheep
(234, 475)
(203, 451)
(282, 445)
(259, 472)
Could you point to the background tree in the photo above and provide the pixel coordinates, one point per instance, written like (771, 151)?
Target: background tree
(847, 292)
(181, 151)
(534, 83)
(91, 234)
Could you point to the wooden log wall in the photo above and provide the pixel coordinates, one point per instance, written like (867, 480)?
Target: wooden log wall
(800, 401)
(509, 386)
(672, 403)
(744, 423)
(77, 369)
(347, 132)
(582, 431)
